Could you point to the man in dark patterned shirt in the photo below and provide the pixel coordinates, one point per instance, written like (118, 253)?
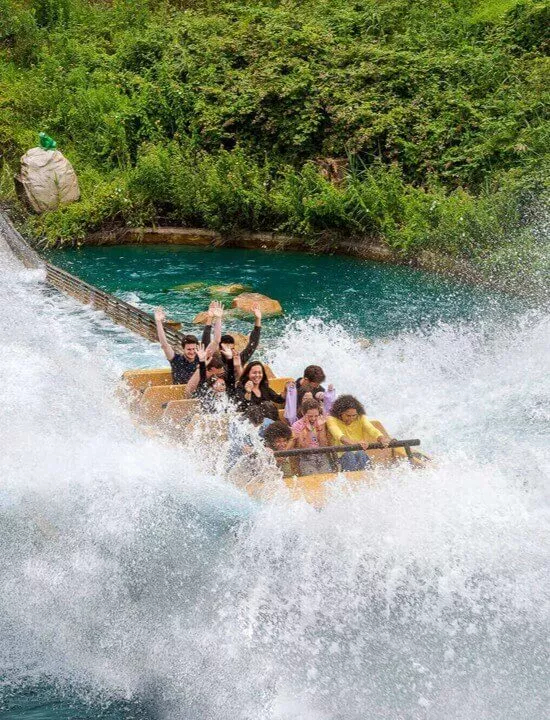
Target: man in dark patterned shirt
(185, 363)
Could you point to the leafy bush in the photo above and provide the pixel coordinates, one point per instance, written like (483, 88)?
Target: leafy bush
(218, 114)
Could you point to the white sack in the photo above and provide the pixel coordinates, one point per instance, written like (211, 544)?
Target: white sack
(48, 179)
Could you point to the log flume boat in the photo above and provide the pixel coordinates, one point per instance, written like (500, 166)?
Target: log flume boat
(161, 408)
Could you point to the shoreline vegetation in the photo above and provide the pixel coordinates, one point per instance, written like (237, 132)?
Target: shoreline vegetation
(416, 128)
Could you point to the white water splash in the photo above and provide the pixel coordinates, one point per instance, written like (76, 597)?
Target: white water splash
(129, 569)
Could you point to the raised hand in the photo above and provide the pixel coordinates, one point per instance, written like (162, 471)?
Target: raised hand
(257, 311)
(210, 312)
(160, 314)
(226, 351)
(201, 352)
(249, 386)
(216, 308)
(330, 388)
(236, 357)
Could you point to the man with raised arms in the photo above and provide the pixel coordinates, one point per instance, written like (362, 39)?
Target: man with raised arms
(185, 363)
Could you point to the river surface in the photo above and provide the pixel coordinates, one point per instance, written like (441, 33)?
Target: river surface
(136, 583)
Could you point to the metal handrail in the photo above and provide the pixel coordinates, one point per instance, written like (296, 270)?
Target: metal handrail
(346, 448)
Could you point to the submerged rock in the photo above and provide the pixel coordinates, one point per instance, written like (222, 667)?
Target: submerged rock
(189, 287)
(231, 289)
(245, 302)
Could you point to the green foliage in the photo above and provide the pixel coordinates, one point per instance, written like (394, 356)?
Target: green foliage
(218, 113)
(52, 13)
(20, 37)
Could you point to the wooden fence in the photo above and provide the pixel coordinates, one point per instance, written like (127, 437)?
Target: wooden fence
(118, 310)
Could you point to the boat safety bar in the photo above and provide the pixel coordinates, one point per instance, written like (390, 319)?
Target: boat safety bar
(407, 444)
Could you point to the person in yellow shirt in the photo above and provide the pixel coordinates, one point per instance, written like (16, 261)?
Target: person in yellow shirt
(348, 425)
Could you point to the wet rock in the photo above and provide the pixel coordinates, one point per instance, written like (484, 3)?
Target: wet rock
(232, 289)
(189, 287)
(245, 302)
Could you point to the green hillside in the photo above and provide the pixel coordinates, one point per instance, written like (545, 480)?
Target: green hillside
(420, 124)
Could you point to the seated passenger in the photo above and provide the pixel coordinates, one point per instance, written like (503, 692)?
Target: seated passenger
(270, 414)
(310, 432)
(253, 388)
(310, 382)
(348, 425)
(229, 340)
(186, 363)
(278, 436)
(241, 440)
(212, 379)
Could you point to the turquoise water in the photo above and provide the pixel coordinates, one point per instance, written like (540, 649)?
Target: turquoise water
(137, 584)
(367, 298)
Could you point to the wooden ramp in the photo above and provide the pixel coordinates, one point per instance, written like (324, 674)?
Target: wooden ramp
(121, 312)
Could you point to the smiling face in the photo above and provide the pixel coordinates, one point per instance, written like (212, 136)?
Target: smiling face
(190, 351)
(349, 416)
(312, 416)
(256, 374)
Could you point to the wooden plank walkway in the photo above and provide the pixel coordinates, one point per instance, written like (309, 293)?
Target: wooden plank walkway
(119, 311)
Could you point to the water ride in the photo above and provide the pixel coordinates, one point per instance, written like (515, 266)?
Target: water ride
(161, 407)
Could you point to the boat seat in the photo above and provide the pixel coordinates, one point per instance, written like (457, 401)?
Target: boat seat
(178, 410)
(268, 371)
(156, 398)
(140, 379)
(279, 383)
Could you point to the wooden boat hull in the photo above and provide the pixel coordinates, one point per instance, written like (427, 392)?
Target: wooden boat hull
(160, 407)
(312, 489)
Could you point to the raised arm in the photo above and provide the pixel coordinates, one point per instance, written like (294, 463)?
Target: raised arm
(199, 376)
(160, 317)
(207, 332)
(216, 308)
(234, 368)
(254, 337)
(217, 311)
(237, 365)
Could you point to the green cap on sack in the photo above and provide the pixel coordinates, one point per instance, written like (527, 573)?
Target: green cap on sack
(47, 142)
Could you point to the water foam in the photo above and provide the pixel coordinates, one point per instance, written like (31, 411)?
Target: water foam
(129, 568)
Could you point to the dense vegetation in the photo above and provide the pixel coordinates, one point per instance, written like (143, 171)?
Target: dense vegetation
(222, 114)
